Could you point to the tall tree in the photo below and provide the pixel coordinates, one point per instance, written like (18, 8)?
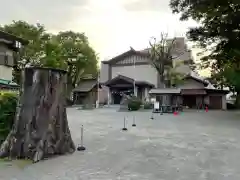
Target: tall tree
(218, 33)
(80, 56)
(175, 77)
(161, 55)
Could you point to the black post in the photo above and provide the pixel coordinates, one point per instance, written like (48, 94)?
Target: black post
(124, 125)
(81, 147)
(152, 118)
(134, 124)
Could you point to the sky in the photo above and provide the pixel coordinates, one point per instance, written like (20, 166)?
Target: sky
(112, 26)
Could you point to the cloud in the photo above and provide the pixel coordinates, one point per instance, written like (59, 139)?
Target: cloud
(111, 25)
(54, 14)
(148, 5)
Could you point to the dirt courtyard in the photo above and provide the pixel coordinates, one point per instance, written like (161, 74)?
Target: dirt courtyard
(191, 146)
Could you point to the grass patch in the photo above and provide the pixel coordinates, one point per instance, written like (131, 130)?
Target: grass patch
(20, 163)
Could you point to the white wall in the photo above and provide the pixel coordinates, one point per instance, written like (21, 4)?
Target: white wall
(139, 73)
(5, 73)
(103, 94)
(104, 73)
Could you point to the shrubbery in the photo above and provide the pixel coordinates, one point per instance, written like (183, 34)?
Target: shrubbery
(134, 104)
(148, 105)
(8, 104)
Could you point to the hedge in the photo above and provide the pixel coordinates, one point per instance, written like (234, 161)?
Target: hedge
(134, 104)
(8, 104)
(148, 105)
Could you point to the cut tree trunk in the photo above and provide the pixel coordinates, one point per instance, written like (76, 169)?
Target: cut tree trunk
(41, 128)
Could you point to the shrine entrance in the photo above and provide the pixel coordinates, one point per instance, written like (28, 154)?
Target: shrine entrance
(117, 94)
(121, 85)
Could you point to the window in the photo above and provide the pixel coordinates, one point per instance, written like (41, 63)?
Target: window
(18, 44)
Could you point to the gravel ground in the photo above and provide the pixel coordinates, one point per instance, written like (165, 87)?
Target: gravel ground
(190, 146)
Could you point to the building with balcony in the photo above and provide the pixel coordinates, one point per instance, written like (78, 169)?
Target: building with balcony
(10, 46)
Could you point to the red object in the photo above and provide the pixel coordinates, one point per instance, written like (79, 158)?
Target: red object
(206, 109)
(175, 113)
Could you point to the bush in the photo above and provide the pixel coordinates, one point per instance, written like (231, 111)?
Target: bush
(134, 104)
(8, 104)
(148, 105)
(231, 106)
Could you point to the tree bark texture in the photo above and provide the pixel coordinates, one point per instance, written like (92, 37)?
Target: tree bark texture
(41, 128)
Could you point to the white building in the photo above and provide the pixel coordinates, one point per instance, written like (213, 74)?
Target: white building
(133, 70)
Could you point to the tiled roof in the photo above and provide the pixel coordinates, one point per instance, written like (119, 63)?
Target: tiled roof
(85, 86)
(10, 37)
(129, 80)
(194, 76)
(7, 82)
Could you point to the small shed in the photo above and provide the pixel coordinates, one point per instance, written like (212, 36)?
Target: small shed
(86, 92)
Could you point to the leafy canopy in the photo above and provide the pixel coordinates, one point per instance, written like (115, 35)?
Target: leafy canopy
(218, 33)
(66, 50)
(219, 29)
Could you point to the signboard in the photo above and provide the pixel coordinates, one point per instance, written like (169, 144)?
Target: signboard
(156, 105)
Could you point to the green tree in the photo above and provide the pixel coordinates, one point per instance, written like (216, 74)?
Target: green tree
(228, 76)
(218, 33)
(174, 76)
(53, 56)
(80, 56)
(37, 37)
(68, 50)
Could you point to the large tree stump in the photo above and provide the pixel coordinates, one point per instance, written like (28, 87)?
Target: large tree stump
(41, 128)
